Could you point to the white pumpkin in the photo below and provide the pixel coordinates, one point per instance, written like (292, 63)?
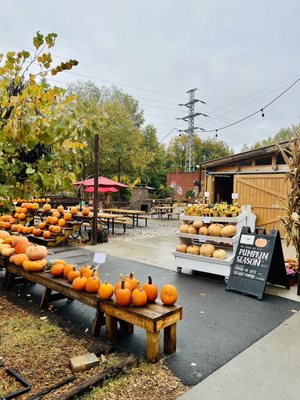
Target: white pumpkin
(220, 254)
(207, 250)
(228, 231)
(198, 223)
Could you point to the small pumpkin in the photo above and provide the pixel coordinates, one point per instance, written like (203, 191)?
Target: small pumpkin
(86, 271)
(198, 223)
(192, 230)
(184, 228)
(105, 291)
(168, 295)
(151, 290)
(67, 269)
(123, 295)
(182, 248)
(86, 211)
(139, 297)
(193, 249)
(79, 283)
(8, 251)
(203, 231)
(207, 249)
(74, 273)
(134, 282)
(127, 283)
(74, 210)
(228, 231)
(215, 229)
(22, 245)
(57, 270)
(68, 216)
(34, 265)
(18, 259)
(93, 283)
(220, 254)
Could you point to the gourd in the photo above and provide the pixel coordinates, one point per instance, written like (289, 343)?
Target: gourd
(193, 249)
(228, 231)
(105, 291)
(184, 228)
(181, 248)
(79, 283)
(203, 231)
(123, 295)
(198, 223)
(207, 250)
(151, 290)
(34, 265)
(220, 254)
(169, 295)
(215, 229)
(35, 252)
(139, 297)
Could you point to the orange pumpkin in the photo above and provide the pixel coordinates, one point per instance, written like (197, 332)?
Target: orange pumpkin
(105, 291)
(79, 283)
(67, 269)
(67, 216)
(4, 234)
(60, 208)
(22, 216)
(123, 295)
(151, 290)
(168, 295)
(47, 207)
(34, 265)
(59, 261)
(18, 259)
(139, 297)
(37, 232)
(56, 214)
(128, 284)
(85, 211)
(74, 210)
(57, 270)
(134, 282)
(46, 235)
(93, 283)
(22, 245)
(86, 271)
(61, 222)
(42, 225)
(74, 273)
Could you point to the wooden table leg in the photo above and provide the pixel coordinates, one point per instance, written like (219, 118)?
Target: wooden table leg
(9, 280)
(97, 323)
(111, 327)
(46, 298)
(153, 348)
(170, 339)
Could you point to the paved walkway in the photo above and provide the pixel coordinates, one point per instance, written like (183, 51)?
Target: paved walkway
(269, 369)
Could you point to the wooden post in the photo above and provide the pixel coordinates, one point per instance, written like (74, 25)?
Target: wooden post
(96, 196)
(153, 353)
(170, 339)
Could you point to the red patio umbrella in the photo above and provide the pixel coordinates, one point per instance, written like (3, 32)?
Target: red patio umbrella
(102, 181)
(104, 189)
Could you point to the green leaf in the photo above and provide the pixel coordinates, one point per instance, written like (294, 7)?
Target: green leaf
(30, 170)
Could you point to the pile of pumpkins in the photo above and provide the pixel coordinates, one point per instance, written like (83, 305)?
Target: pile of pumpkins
(217, 230)
(127, 290)
(205, 250)
(23, 253)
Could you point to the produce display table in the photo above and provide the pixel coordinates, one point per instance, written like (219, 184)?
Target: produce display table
(153, 317)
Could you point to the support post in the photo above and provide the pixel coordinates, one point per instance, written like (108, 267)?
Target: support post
(96, 196)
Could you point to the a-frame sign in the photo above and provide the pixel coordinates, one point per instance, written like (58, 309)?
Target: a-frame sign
(258, 260)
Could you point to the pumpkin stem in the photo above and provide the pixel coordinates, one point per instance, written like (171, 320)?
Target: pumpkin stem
(123, 284)
(131, 275)
(149, 280)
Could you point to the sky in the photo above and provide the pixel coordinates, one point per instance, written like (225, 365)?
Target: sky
(240, 55)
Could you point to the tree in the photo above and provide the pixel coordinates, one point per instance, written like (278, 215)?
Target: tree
(33, 122)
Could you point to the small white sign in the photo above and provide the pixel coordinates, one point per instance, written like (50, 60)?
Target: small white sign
(234, 196)
(206, 194)
(247, 239)
(99, 258)
(206, 220)
(202, 239)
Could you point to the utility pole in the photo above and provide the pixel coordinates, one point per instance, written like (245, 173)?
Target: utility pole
(189, 153)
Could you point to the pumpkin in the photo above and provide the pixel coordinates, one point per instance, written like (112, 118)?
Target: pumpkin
(192, 230)
(74, 210)
(46, 234)
(57, 269)
(127, 283)
(220, 254)
(4, 234)
(22, 245)
(34, 265)
(8, 240)
(47, 207)
(37, 232)
(8, 251)
(86, 211)
(86, 271)
(61, 222)
(228, 231)
(74, 273)
(215, 229)
(36, 252)
(79, 283)
(198, 223)
(105, 291)
(67, 269)
(56, 214)
(193, 249)
(181, 248)
(168, 295)
(42, 225)
(151, 290)
(22, 216)
(18, 259)
(123, 295)
(68, 216)
(14, 227)
(207, 249)
(139, 297)
(59, 261)
(92, 284)
(60, 208)
(184, 228)
(132, 280)
(203, 231)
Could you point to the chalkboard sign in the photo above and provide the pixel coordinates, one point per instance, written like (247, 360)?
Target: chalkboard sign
(258, 260)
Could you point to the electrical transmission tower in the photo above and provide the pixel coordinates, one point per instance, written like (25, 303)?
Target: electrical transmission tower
(189, 154)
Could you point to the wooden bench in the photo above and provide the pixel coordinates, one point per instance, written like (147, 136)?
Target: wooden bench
(153, 317)
(122, 222)
(171, 214)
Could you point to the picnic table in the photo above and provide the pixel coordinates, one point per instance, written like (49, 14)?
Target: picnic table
(134, 214)
(165, 210)
(109, 219)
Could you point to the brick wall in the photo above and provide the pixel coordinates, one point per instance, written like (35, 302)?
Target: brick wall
(184, 180)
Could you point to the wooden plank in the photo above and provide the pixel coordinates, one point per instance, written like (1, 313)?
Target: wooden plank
(153, 348)
(262, 188)
(97, 323)
(168, 320)
(145, 312)
(111, 327)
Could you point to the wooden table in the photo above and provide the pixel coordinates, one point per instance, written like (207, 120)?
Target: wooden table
(134, 214)
(107, 217)
(163, 210)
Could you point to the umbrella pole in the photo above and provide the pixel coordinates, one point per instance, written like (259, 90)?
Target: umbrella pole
(96, 195)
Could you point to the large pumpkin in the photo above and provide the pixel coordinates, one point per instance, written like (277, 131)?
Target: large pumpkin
(36, 252)
(228, 231)
(207, 250)
(34, 265)
(215, 229)
(169, 295)
(22, 245)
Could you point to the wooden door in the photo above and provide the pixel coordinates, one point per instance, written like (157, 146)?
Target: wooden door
(267, 194)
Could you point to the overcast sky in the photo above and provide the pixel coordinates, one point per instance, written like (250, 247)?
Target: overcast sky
(239, 54)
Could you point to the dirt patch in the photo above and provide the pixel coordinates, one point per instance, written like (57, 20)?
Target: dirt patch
(39, 345)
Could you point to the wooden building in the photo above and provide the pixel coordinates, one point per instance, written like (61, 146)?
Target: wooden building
(256, 177)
